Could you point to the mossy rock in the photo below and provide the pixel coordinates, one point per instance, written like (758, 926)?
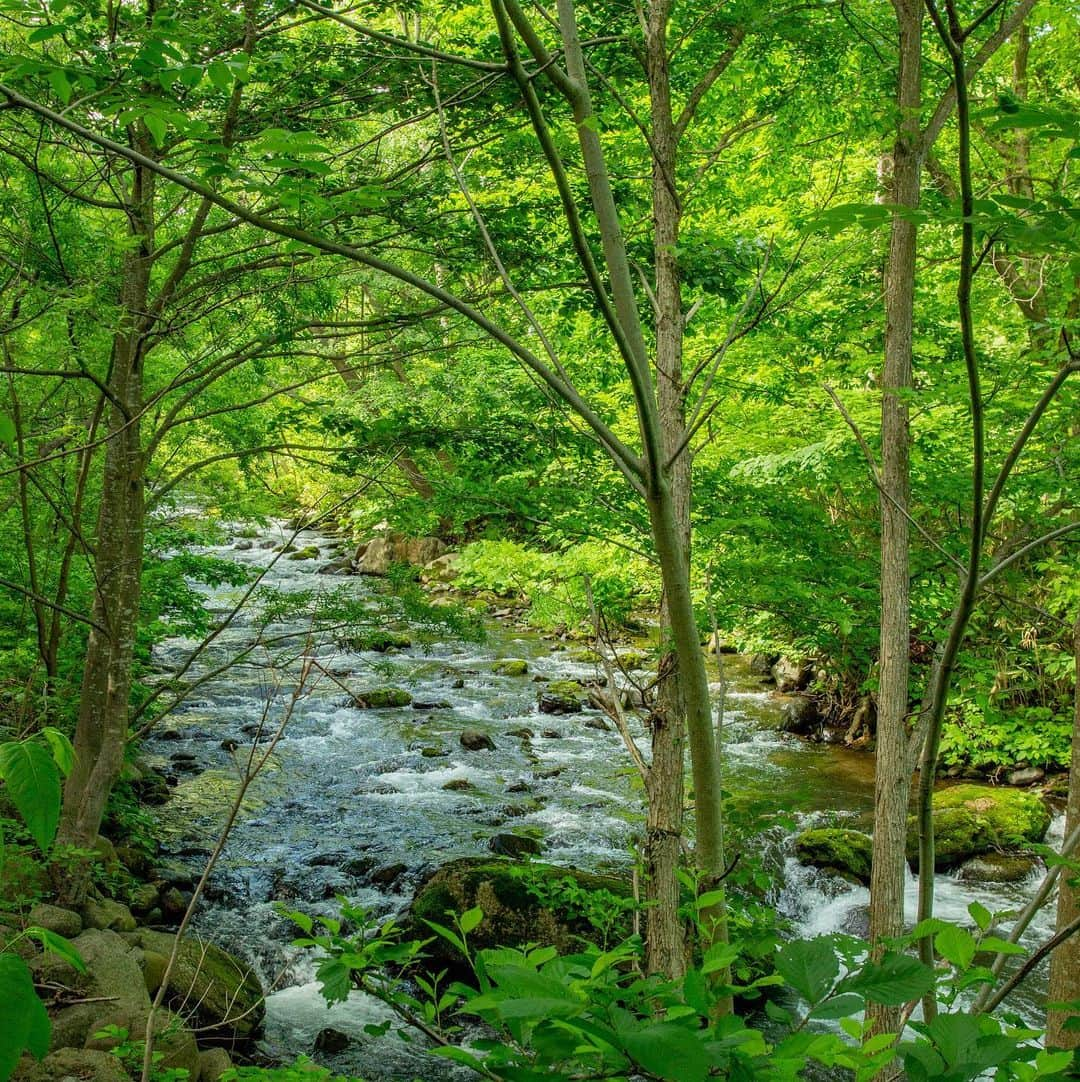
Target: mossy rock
(998, 868)
(381, 642)
(510, 666)
(832, 849)
(222, 992)
(308, 552)
(562, 697)
(970, 820)
(513, 916)
(381, 698)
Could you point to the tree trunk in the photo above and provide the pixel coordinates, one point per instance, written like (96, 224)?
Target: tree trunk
(892, 777)
(665, 946)
(101, 728)
(1065, 961)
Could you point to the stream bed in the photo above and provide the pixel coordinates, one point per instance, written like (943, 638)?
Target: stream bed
(356, 802)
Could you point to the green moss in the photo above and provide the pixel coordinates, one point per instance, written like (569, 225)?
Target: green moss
(377, 640)
(843, 852)
(222, 991)
(569, 689)
(382, 698)
(310, 552)
(510, 667)
(970, 820)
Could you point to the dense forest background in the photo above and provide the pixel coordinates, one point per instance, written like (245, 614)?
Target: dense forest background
(728, 327)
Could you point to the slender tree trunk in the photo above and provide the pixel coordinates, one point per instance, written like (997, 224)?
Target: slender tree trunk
(1065, 961)
(101, 728)
(892, 777)
(665, 940)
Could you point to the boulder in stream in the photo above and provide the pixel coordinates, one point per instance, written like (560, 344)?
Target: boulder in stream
(562, 697)
(998, 868)
(509, 894)
(510, 666)
(970, 820)
(381, 698)
(220, 991)
(475, 740)
(833, 849)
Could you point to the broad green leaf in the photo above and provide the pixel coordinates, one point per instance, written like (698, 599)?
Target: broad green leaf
(43, 33)
(956, 946)
(220, 75)
(58, 80)
(25, 1020)
(896, 980)
(669, 1051)
(471, 919)
(810, 966)
(33, 784)
(157, 126)
(980, 915)
(842, 1006)
(62, 752)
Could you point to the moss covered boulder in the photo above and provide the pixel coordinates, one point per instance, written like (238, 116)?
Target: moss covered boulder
(381, 698)
(378, 641)
(510, 666)
(842, 852)
(970, 820)
(522, 903)
(221, 992)
(562, 697)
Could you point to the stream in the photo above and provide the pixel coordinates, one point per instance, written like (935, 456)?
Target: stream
(355, 801)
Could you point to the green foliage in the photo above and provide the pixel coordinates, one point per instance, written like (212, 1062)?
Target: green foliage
(130, 1053)
(592, 1014)
(300, 1070)
(603, 911)
(553, 584)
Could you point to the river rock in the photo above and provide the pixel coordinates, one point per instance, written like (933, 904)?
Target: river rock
(443, 569)
(475, 740)
(308, 552)
(213, 1063)
(67, 1064)
(513, 915)
(331, 1041)
(343, 565)
(792, 675)
(562, 697)
(172, 1041)
(53, 918)
(510, 666)
(105, 913)
(244, 546)
(998, 868)
(381, 698)
(1028, 775)
(222, 992)
(799, 715)
(514, 845)
(376, 557)
(459, 785)
(761, 664)
(832, 849)
(970, 820)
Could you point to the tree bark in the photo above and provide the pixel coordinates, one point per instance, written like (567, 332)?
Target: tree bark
(1065, 961)
(892, 777)
(665, 950)
(101, 728)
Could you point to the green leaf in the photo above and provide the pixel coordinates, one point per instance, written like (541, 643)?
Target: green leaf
(58, 80)
(157, 126)
(956, 946)
(470, 919)
(842, 1006)
(668, 1050)
(980, 915)
(59, 946)
(43, 33)
(26, 1022)
(895, 980)
(33, 784)
(220, 75)
(62, 752)
(810, 966)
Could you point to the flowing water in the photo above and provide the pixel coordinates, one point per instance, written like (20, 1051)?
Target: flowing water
(355, 801)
